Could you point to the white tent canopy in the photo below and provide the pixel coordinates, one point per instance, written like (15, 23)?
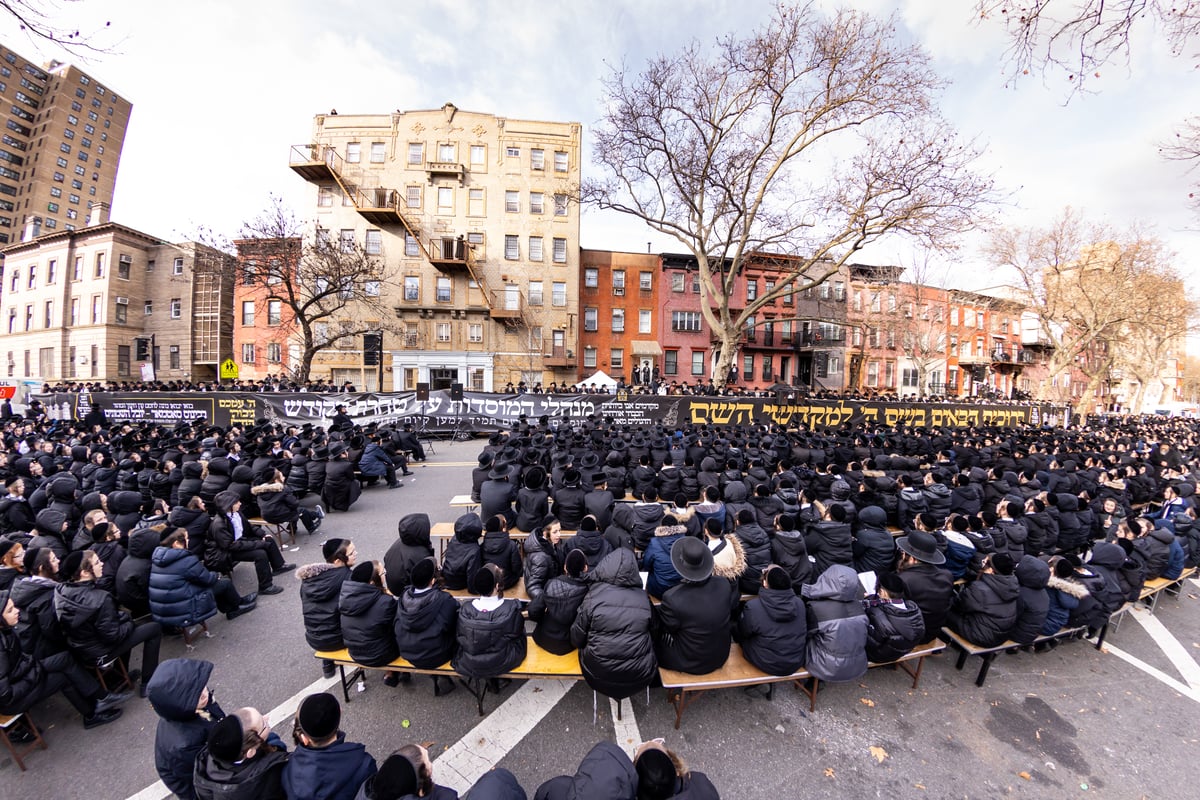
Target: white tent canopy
(601, 378)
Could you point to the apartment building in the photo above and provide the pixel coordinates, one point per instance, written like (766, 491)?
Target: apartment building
(476, 216)
(107, 302)
(620, 305)
(60, 147)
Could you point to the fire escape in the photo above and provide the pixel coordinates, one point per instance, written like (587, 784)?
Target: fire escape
(382, 206)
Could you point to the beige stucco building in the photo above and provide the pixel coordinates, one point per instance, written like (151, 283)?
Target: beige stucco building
(60, 147)
(76, 302)
(477, 217)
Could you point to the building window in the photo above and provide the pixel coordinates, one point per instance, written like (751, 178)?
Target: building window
(446, 152)
(274, 352)
(839, 290)
(537, 203)
(591, 278)
(324, 196)
(247, 313)
(688, 321)
(560, 251)
(443, 289)
(748, 367)
(412, 288)
(48, 318)
(122, 314)
(248, 353)
(274, 312)
(475, 203)
(670, 362)
(537, 158)
(535, 293)
(872, 373)
(645, 319)
(560, 161)
(412, 196)
(445, 197)
(177, 267)
(74, 314)
(475, 332)
(377, 151)
(100, 265)
(374, 243)
(478, 155)
(512, 152)
(558, 298)
(752, 289)
(560, 205)
(371, 288)
(443, 332)
(512, 247)
(124, 265)
(97, 309)
(677, 282)
(176, 308)
(591, 320)
(697, 362)
(412, 248)
(123, 359)
(512, 202)
(535, 248)
(589, 357)
(618, 281)
(616, 358)
(618, 320)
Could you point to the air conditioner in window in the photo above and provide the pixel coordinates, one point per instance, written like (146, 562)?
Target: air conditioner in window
(82, 359)
(619, 290)
(122, 301)
(126, 259)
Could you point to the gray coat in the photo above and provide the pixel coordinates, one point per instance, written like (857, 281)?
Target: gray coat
(837, 626)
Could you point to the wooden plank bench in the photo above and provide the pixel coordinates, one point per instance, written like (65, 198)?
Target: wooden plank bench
(8, 725)
(277, 530)
(737, 671)
(1154, 589)
(464, 501)
(988, 654)
(538, 664)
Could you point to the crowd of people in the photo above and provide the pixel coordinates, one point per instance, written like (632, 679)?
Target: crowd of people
(642, 547)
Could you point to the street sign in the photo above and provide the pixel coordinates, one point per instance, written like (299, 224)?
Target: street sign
(229, 370)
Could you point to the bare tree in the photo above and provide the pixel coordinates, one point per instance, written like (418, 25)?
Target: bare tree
(1157, 334)
(40, 21)
(813, 136)
(331, 292)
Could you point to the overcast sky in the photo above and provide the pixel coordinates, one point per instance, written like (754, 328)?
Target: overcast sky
(221, 89)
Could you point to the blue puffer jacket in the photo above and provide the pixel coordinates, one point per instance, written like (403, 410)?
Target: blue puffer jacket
(180, 588)
(374, 461)
(657, 559)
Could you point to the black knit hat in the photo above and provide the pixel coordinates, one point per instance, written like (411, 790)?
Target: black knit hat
(319, 715)
(362, 573)
(656, 775)
(396, 779)
(225, 739)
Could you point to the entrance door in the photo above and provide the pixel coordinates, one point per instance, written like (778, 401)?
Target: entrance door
(804, 364)
(442, 378)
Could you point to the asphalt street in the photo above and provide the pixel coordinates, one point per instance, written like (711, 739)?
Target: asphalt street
(1071, 722)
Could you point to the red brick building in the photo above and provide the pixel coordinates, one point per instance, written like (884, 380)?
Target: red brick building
(619, 314)
(263, 324)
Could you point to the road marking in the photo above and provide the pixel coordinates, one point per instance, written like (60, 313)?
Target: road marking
(1171, 647)
(281, 712)
(1153, 672)
(465, 761)
(625, 729)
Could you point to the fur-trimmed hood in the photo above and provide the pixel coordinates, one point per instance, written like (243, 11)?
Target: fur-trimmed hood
(1067, 586)
(729, 561)
(683, 515)
(313, 570)
(266, 488)
(670, 530)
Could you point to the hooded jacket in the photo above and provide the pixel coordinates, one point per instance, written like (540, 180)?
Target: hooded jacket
(693, 625)
(133, 575)
(912, 501)
(498, 548)
(425, 628)
(966, 499)
(413, 546)
(368, 616)
(90, 619)
(837, 626)
(757, 547)
(276, 502)
(937, 500)
(40, 632)
(612, 629)
(1033, 603)
(1064, 596)
(49, 533)
(217, 480)
(174, 692)
(1155, 551)
(932, 588)
(489, 643)
(829, 542)
(1071, 534)
(180, 588)
(606, 773)
(554, 610)
(320, 593)
(333, 772)
(463, 556)
(1104, 583)
(196, 522)
(639, 520)
(896, 628)
(1014, 534)
(985, 611)
(773, 631)
(541, 563)
(256, 778)
(593, 544)
(656, 560)
(789, 552)
(873, 546)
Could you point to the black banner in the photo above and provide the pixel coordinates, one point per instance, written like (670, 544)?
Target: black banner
(482, 413)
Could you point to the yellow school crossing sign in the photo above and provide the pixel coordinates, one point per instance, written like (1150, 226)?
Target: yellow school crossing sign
(229, 370)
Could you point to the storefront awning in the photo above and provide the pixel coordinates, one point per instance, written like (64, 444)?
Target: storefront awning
(644, 348)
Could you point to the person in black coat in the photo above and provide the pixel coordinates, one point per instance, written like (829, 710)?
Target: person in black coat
(606, 773)
(554, 609)
(612, 629)
(195, 519)
(426, 624)
(40, 632)
(368, 615)
(279, 505)
(773, 627)
(187, 712)
(463, 556)
(320, 594)
(590, 539)
(757, 547)
(985, 610)
(570, 500)
(789, 553)
(541, 558)
(926, 582)
(873, 545)
(242, 760)
(341, 489)
(693, 620)
(830, 541)
(533, 501)
(412, 546)
(491, 631)
(498, 493)
(133, 575)
(897, 625)
(14, 508)
(500, 550)
(599, 501)
(662, 775)
(231, 539)
(480, 474)
(1033, 602)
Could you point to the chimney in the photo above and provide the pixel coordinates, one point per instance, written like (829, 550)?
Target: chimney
(98, 214)
(33, 228)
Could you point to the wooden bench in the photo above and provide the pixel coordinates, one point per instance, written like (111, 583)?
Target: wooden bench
(1154, 589)
(516, 593)
(538, 663)
(737, 671)
(8, 725)
(464, 501)
(277, 530)
(988, 654)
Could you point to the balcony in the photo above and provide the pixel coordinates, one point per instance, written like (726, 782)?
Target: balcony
(449, 254)
(507, 305)
(379, 206)
(975, 358)
(444, 169)
(315, 162)
(560, 358)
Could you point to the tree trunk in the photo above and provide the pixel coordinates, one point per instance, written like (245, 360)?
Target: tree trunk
(728, 340)
(305, 366)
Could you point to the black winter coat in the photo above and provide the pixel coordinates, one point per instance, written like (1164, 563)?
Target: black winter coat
(463, 556)
(639, 520)
(217, 481)
(40, 632)
(932, 588)
(133, 576)
(220, 545)
(612, 629)
(773, 631)
(276, 502)
(182, 733)
(533, 506)
(320, 593)
(341, 489)
(414, 545)
(1033, 602)
(489, 643)
(90, 620)
(789, 552)
(593, 544)
(425, 628)
(541, 564)
(21, 678)
(874, 548)
(829, 542)
(693, 625)
(896, 628)
(498, 548)
(570, 507)
(757, 547)
(368, 616)
(253, 779)
(497, 497)
(985, 611)
(196, 522)
(554, 610)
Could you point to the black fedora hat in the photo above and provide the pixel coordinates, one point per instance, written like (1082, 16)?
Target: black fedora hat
(922, 546)
(692, 559)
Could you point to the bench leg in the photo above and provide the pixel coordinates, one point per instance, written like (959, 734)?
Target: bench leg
(809, 689)
(478, 690)
(915, 674)
(679, 699)
(348, 681)
(984, 667)
(962, 660)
